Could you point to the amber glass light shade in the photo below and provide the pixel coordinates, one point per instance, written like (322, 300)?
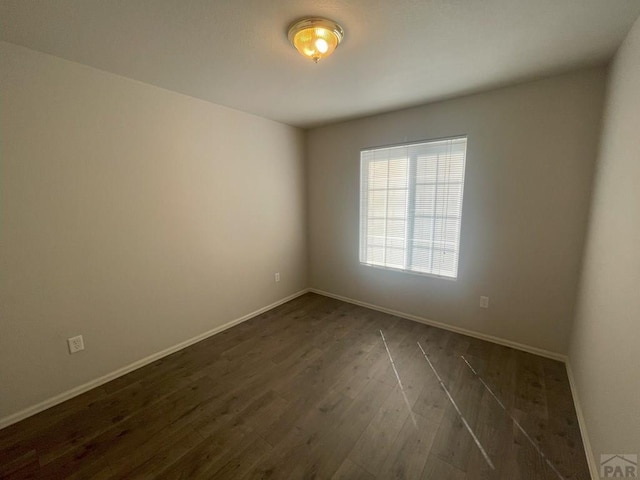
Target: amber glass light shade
(315, 38)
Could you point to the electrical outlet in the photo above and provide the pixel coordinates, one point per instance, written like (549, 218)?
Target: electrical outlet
(75, 344)
(277, 276)
(484, 302)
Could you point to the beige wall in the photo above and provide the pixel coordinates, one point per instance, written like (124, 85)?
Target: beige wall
(605, 342)
(134, 216)
(530, 158)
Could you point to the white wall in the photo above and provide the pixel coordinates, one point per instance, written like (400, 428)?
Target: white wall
(531, 152)
(134, 216)
(605, 341)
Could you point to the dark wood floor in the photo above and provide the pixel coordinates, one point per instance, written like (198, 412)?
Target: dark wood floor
(307, 390)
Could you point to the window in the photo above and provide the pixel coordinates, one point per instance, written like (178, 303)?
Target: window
(411, 206)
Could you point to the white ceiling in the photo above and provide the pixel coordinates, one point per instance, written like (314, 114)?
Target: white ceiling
(396, 53)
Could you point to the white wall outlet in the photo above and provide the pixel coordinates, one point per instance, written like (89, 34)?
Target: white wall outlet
(277, 276)
(75, 344)
(484, 302)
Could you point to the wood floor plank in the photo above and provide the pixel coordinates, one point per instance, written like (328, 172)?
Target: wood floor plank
(151, 459)
(292, 449)
(309, 413)
(350, 471)
(453, 442)
(372, 448)
(494, 430)
(124, 436)
(336, 442)
(408, 453)
(22, 466)
(210, 452)
(437, 469)
(238, 464)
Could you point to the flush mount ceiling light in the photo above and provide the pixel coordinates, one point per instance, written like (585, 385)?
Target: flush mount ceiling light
(315, 37)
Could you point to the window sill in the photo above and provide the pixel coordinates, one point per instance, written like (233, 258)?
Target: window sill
(410, 272)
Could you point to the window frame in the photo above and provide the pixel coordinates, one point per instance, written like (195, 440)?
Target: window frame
(411, 188)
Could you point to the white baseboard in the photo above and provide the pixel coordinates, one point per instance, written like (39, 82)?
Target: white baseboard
(591, 461)
(50, 402)
(16, 417)
(471, 333)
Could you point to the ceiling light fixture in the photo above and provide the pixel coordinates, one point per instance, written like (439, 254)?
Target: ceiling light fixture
(315, 37)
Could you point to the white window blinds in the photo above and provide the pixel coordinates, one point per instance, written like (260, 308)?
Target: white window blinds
(411, 206)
